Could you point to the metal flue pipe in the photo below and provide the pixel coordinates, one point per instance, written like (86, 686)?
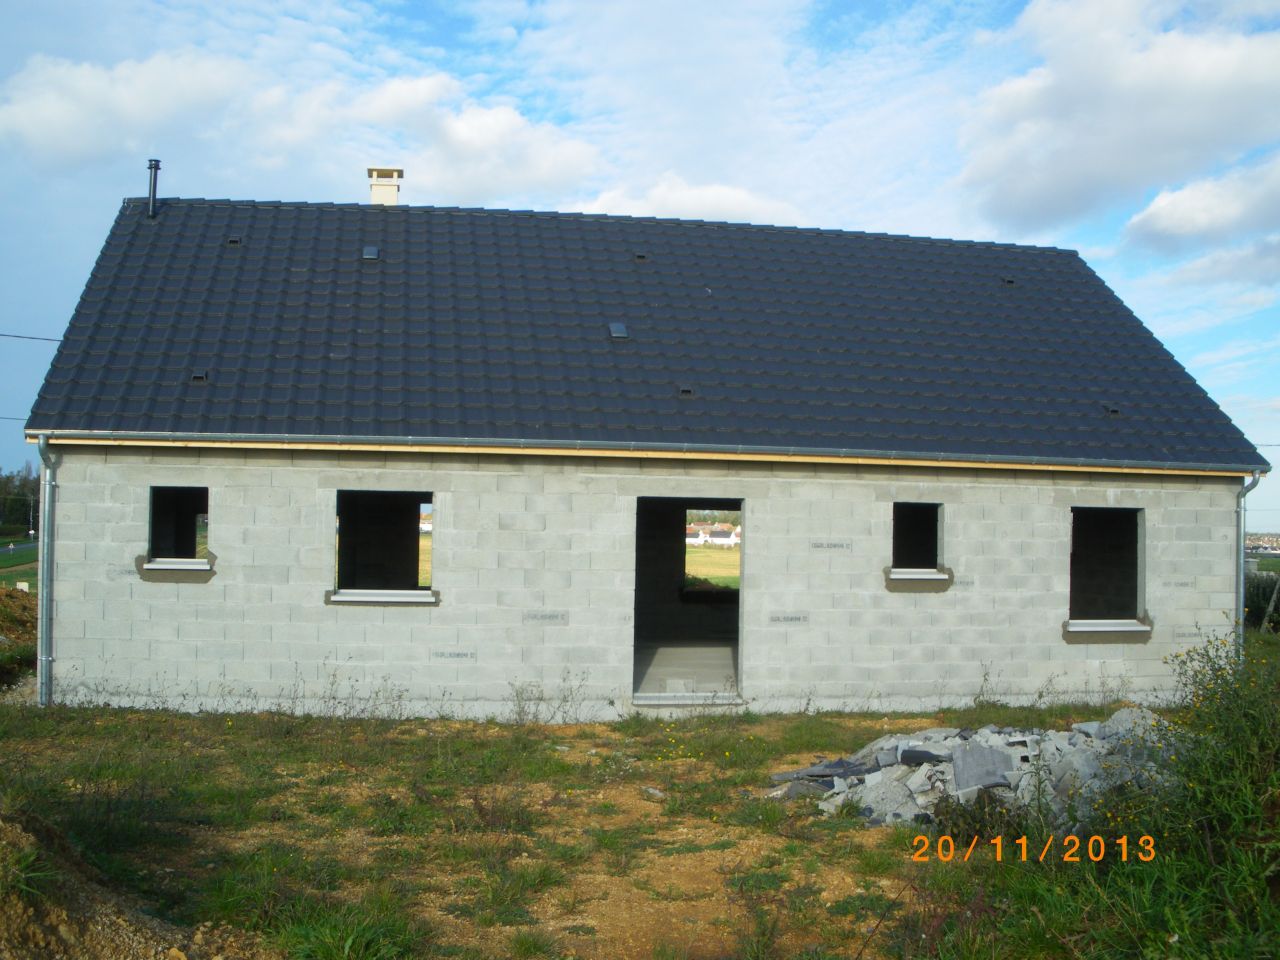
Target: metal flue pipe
(154, 167)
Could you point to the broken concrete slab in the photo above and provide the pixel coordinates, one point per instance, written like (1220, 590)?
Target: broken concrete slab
(977, 765)
(795, 790)
(921, 780)
(924, 754)
(1129, 723)
(936, 733)
(828, 768)
(1051, 770)
(1090, 728)
(888, 799)
(866, 754)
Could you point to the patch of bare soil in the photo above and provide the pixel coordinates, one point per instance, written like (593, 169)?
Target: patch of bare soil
(17, 616)
(75, 917)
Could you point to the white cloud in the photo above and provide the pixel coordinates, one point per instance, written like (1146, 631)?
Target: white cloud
(57, 110)
(1256, 263)
(490, 154)
(1235, 205)
(1235, 350)
(1130, 94)
(213, 112)
(671, 196)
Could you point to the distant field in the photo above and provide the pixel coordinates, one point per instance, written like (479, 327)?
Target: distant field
(21, 554)
(721, 565)
(424, 559)
(11, 576)
(1269, 564)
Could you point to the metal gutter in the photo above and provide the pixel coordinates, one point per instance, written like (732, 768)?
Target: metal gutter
(1244, 492)
(44, 625)
(639, 449)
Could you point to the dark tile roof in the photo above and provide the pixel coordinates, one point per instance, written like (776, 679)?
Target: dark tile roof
(266, 319)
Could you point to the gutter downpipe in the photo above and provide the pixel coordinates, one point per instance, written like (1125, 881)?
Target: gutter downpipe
(44, 654)
(1243, 492)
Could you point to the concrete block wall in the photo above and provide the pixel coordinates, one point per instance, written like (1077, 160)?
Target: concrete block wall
(534, 560)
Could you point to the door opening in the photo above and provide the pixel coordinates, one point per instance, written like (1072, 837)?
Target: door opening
(688, 598)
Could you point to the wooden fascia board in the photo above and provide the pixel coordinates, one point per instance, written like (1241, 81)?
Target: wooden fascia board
(508, 451)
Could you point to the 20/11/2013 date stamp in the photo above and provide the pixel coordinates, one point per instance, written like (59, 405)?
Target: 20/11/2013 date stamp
(1068, 849)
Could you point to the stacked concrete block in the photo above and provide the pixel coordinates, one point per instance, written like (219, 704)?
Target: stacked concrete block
(534, 561)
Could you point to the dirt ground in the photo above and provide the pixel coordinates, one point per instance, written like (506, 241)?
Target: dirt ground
(77, 918)
(17, 616)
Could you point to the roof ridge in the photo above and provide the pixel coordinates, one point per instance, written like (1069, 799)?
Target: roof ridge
(606, 217)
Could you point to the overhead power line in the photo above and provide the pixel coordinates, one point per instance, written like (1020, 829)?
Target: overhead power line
(23, 336)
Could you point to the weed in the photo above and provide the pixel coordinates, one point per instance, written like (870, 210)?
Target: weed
(757, 881)
(532, 943)
(314, 929)
(26, 873)
(759, 940)
(502, 810)
(768, 815)
(621, 845)
(863, 906)
(1204, 787)
(503, 897)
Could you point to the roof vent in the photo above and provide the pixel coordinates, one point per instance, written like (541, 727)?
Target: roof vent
(618, 331)
(234, 241)
(686, 393)
(1111, 409)
(1007, 281)
(641, 257)
(153, 166)
(200, 376)
(384, 185)
(370, 253)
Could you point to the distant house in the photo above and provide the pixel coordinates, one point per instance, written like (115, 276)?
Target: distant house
(695, 536)
(960, 467)
(725, 538)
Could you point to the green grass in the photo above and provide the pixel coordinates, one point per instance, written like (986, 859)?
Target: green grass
(720, 567)
(18, 558)
(29, 574)
(1269, 564)
(363, 836)
(25, 873)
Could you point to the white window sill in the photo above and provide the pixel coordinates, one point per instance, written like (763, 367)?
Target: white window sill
(903, 573)
(419, 597)
(1107, 626)
(177, 563)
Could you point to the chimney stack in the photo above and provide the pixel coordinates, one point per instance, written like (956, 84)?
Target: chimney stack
(384, 185)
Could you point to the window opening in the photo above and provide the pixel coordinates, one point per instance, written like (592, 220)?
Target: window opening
(712, 551)
(915, 536)
(1105, 580)
(384, 540)
(179, 523)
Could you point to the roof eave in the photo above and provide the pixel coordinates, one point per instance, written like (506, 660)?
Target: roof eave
(610, 448)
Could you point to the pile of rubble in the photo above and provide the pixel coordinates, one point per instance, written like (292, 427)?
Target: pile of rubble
(902, 777)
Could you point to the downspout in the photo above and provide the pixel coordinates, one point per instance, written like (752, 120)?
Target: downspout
(1244, 492)
(44, 654)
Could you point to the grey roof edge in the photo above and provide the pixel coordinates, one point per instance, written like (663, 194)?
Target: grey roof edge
(338, 440)
(579, 215)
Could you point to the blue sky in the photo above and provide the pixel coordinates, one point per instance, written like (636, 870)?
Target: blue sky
(1145, 134)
